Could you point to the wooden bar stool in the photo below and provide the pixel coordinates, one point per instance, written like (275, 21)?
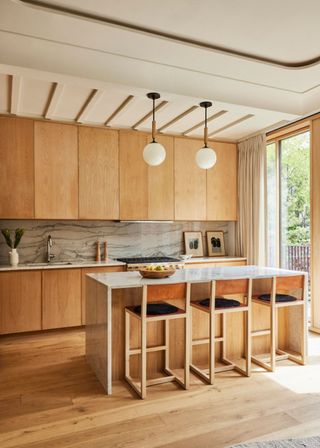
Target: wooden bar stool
(218, 305)
(282, 295)
(155, 308)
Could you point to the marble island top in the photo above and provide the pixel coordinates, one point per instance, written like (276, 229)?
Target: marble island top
(122, 280)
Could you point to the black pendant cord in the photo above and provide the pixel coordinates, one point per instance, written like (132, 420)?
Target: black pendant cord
(153, 119)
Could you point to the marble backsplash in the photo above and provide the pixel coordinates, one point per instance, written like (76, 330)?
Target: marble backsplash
(76, 240)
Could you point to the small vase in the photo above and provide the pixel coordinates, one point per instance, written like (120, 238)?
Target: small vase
(14, 257)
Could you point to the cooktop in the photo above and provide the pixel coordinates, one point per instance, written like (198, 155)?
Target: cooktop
(140, 260)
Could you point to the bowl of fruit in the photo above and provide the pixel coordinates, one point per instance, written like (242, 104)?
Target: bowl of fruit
(157, 271)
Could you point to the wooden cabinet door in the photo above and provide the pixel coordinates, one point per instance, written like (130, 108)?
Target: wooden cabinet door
(16, 168)
(222, 184)
(98, 173)
(190, 181)
(61, 298)
(96, 270)
(161, 184)
(133, 176)
(56, 171)
(20, 301)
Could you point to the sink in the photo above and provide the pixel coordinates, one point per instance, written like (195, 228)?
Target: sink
(51, 263)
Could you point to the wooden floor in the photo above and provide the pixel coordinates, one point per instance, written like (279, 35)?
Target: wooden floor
(49, 398)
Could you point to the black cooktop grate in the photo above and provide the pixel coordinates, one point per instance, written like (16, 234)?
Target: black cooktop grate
(140, 260)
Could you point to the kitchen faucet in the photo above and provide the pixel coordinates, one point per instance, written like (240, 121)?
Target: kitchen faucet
(49, 245)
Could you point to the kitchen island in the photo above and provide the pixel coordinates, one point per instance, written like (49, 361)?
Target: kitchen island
(108, 294)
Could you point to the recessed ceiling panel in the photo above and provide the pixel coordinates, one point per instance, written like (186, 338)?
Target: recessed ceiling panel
(107, 104)
(71, 102)
(35, 95)
(5, 84)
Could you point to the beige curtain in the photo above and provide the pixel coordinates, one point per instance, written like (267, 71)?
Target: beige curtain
(251, 226)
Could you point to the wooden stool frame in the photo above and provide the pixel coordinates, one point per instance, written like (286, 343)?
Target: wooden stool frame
(218, 288)
(158, 293)
(282, 285)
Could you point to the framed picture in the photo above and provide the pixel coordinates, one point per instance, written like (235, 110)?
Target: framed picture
(193, 244)
(215, 241)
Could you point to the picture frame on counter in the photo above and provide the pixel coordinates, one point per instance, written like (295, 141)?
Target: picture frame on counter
(193, 243)
(216, 244)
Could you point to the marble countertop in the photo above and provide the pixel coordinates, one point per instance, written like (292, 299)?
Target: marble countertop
(110, 262)
(213, 259)
(62, 265)
(132, 279)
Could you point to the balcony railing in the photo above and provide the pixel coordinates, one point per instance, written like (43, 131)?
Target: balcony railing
(297, 258)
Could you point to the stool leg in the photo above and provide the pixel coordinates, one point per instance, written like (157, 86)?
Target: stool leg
(248, 342)
(127, 344)
(167, 342)
(187, 335)
(273, 338)
(212, 347)
(224, 326)
(143, 358)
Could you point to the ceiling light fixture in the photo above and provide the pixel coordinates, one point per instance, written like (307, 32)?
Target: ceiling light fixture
(206, 157)
(154, 153)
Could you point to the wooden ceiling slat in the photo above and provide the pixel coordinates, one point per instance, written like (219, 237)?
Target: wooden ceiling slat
(177, 118)
(233, 123)
(53, 100)
(92, 100)
(198, 125)
(149, 114)
(119, 109)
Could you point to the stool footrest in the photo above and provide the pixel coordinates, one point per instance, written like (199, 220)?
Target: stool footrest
(206, 341)
(260, 333)
(137, 351)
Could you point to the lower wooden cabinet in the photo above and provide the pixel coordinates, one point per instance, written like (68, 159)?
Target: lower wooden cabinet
(20, 301)
(61, 298)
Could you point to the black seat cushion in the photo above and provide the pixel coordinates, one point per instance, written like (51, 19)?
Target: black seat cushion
(220, 302)
(279, 298)
(157, 309)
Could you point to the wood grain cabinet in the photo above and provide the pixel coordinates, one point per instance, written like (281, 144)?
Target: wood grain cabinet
(222, 184)
(98, 173)
(56, 170)
(61, 298)
(190, 182)
(145, 192)
(20, 301)
(16, 168)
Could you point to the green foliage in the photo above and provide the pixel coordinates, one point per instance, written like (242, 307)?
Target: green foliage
(17, 237)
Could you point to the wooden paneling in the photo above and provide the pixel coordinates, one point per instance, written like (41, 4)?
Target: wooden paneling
(161, 185)
(16, 168)
(95, 270)
(133, 176)
(315, 223)
(61, 298)
(56, 171)
(20, 301)
(190, 182)
(222, 184)
(98, 174)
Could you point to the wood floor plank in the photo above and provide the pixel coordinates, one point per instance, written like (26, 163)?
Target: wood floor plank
(50, 398)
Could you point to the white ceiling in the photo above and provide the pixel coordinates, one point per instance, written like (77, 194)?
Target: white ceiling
(65, 67)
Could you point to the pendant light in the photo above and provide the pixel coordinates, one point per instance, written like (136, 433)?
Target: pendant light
(206, 157)
(154, 153)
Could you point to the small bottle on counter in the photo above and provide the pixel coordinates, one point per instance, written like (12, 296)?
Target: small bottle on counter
(98, 252)
(106, 251)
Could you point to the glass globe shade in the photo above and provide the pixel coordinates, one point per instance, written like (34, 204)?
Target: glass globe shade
(206, 158)
(154, 154)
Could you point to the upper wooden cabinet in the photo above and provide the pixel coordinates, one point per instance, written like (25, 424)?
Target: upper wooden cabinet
(16, 168)
(190, 182)
(133, 176)
(222, 184)
(98, 174)
(145, 192)
(56, 170)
